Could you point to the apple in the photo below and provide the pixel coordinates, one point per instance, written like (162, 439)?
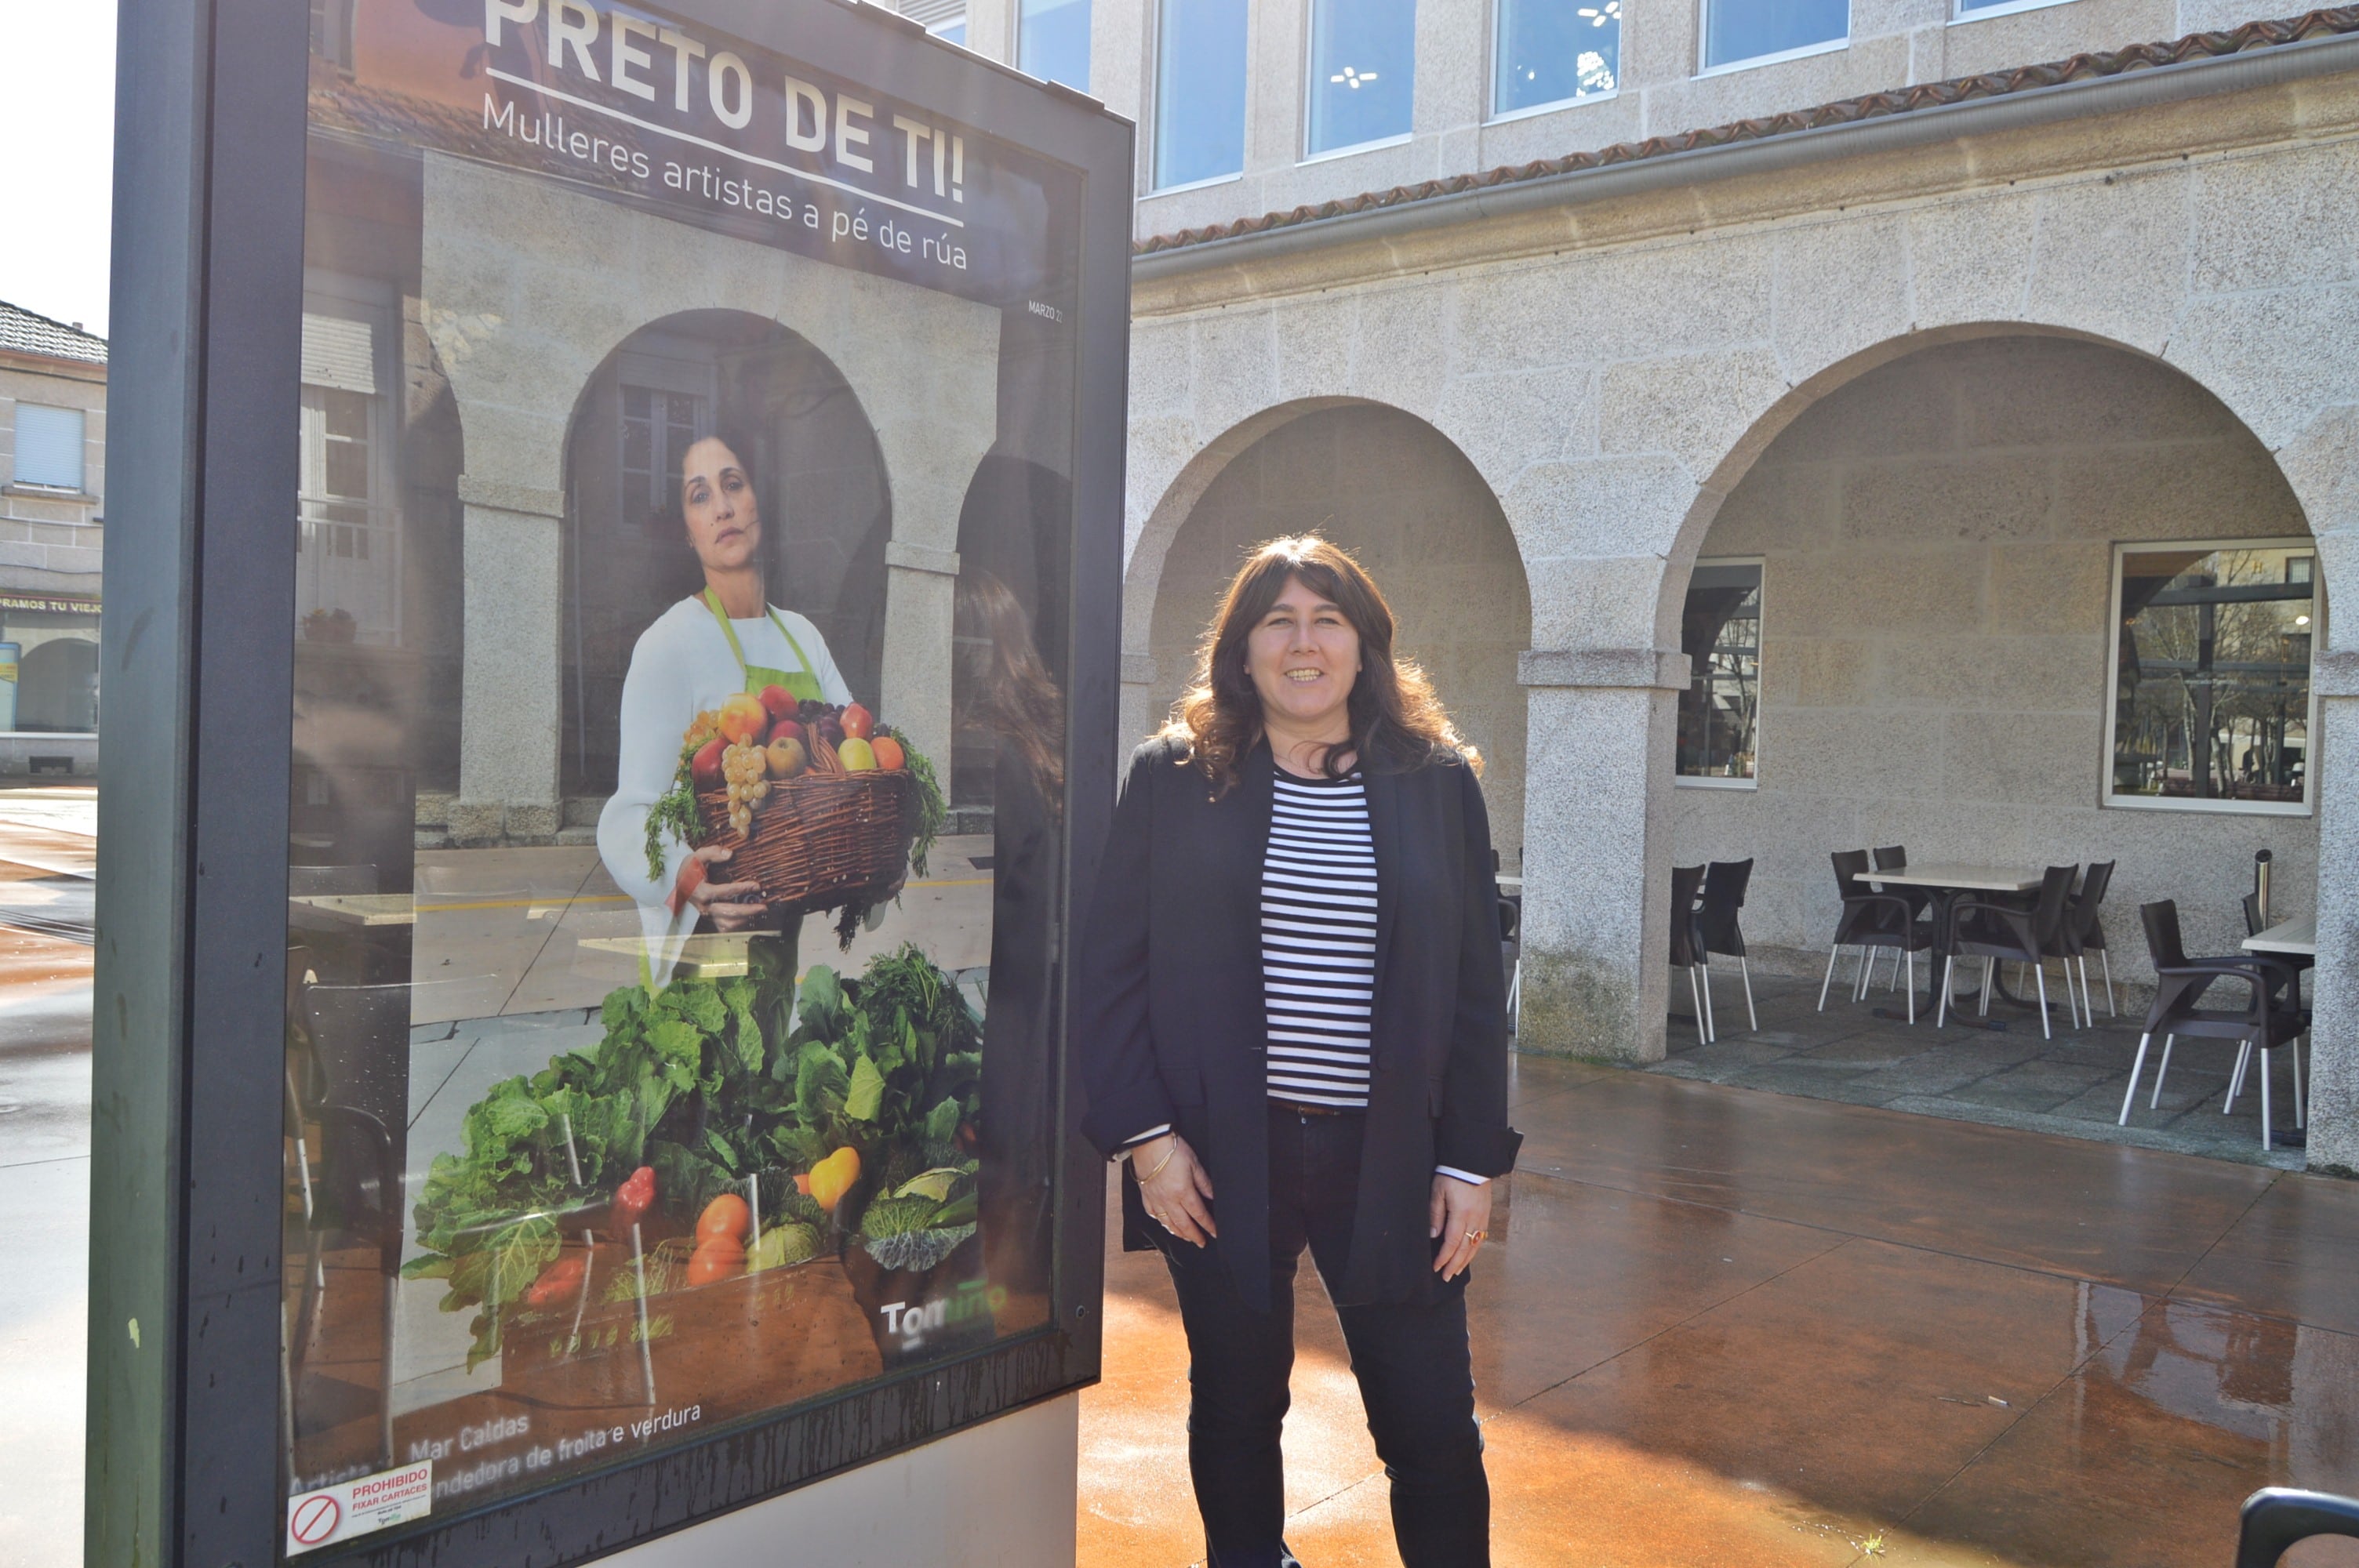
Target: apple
(784, 729)
(858, 722)
(778, 702)
(783, 757)
(742, 717)
(856, 755)
(704, 769)
(889, 753)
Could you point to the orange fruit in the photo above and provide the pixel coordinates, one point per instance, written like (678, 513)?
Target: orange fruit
(889, 753)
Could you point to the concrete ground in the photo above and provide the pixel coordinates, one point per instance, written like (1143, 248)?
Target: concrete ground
(1866, 1052)
(1728, 1327)
(47, 839)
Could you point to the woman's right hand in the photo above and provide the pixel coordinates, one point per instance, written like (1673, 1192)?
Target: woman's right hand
(1180, 1198)
(731, 906)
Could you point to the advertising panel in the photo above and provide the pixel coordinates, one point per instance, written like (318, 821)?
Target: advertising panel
(677, 815)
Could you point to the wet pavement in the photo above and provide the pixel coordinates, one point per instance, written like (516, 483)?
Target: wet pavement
(45, 858)
(1730, 1327)
(1998, 1070)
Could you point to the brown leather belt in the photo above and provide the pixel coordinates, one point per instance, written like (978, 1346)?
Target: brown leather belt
(1301, 1109)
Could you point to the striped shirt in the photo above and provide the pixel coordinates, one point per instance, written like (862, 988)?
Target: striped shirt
(1319, 940)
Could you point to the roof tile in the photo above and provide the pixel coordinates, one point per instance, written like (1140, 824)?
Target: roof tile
(22, 332)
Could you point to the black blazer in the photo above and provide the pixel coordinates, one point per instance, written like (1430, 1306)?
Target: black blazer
(1172, 1023)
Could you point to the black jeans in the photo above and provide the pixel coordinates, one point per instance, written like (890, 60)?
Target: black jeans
(1415, 1371)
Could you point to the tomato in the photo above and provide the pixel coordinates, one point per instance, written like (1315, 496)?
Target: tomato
(705, 768)
(778, 702)
(715, 1261)
(632, 1200)
(858, 722)
(557, 1285)
(725, 1218)
(889, 753)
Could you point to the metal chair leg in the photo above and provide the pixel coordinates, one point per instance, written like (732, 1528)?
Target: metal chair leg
(1752, 1019)
(1990, 972)
(1711, 1024)
(1910, 953)
(2237, 1077)
(1942, 1009)
(2040, 973)
(1695, 999)
(2106, 960)
(2161, 1071)
(2293, 1049)
(2264, 1099)
(2137, 1066)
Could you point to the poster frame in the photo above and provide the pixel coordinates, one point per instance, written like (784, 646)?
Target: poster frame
(184, 1375)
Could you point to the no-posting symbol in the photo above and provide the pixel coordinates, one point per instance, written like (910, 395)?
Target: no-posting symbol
(315, 1520)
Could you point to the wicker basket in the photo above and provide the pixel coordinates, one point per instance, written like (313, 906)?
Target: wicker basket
(820, 840)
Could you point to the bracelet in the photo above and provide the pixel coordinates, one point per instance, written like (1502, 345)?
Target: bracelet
(1168, 1155)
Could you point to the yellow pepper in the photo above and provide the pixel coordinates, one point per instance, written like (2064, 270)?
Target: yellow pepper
(833, 1176)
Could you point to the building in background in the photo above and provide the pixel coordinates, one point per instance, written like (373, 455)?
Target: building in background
(52, 515)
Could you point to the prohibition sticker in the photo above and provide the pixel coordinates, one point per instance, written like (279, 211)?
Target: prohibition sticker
(358, 1506)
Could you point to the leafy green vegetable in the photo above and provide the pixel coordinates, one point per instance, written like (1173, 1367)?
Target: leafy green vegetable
(675, 810)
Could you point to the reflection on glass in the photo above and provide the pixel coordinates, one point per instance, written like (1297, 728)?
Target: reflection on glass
(1052, 41)
(1553, 51)
(662, 1050)
(2212, 682)
(1362, 64)
(1720, 632)
(1200, 91)
(1738, 30)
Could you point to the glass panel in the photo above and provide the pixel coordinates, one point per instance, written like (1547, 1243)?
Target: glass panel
(2212, 697)
(1720, 632)
(1552, 51)
(1200, 91)
(951, 32)
(48, 446)
(1746, 29)
(1362, 63)
(1052, 41)
(695, 1062)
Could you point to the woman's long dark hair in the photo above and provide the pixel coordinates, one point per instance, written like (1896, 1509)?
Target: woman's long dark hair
(1015, 695)
(1397, 721)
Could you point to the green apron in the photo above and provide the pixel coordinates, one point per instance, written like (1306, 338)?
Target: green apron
(802, 685)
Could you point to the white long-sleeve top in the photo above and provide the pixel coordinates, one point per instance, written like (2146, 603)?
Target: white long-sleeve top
(680, 668)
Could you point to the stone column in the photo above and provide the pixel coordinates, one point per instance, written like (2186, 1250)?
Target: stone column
(1597, 849)
(1137, 714)
(2334, 1062)
(512, 669)
(920, 584)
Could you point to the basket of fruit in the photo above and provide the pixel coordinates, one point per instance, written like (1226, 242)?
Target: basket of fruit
(822, 805)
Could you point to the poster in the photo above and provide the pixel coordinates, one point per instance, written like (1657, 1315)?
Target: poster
(676, 821)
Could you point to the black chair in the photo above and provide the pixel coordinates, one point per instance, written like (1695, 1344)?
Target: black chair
(1995, 930)
(1895, 858)
(1716, 930)
(2288, 967)
(1869, 921)
(2085, 934)
(2180, 986)
(2276, 1518)
(1686, 952)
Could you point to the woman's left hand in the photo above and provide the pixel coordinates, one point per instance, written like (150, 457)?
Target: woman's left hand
(1460, 1216)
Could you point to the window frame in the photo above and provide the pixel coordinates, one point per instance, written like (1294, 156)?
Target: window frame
(1304, 154)
(1716, 781)
(1495, 115)
(2201, 806)
(1959, 15)
(1151, 118)
(1802, 51)
(43, 487)
(1089, 61)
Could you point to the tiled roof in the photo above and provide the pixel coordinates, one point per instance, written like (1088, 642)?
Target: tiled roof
(1900, 100)
(25, 333)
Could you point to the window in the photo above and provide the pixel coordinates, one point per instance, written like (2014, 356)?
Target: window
(48, 446)
(1976, 10)
(1363, 66)
(952, 31)
(1719, 712)
(1555, 51)
(348, 545)
(1752, 32)
(1199, 92)
(658, 428)
(2212, 693)
(1052, 41)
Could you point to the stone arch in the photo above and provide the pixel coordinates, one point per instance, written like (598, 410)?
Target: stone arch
(1409, 502)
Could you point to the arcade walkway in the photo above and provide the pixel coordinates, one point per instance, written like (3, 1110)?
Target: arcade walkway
(1729, 1327)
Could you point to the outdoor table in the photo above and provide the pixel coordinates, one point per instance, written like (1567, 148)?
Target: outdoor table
(707, 956)
(1950, 881)
(2299, 937)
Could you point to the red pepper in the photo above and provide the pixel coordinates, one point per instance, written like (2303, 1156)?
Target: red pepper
(631, 1199)
(558, 1282)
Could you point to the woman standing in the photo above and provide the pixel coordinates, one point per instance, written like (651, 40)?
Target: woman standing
(701, 652)
(1291, 997)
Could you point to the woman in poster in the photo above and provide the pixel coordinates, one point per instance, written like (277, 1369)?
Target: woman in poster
(703, 650)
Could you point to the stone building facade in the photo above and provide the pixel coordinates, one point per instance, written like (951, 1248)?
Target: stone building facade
(1930, 322)
(52, 504)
